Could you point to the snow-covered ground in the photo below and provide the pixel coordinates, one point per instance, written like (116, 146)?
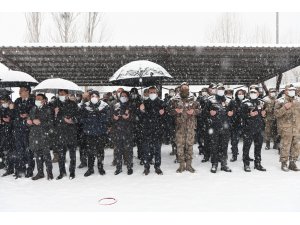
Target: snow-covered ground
(273, 190)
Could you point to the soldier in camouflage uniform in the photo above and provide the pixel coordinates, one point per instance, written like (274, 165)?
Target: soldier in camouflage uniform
(287, 112)
(185, 110)
(270, 119)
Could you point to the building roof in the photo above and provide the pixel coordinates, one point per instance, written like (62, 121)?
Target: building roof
(93, 65)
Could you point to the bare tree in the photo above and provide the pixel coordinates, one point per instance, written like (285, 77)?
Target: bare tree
(92, 21)
(34, 23)
(66, 26)
(262, 35)
(227, 30)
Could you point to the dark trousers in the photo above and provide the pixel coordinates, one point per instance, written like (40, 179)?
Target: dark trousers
(82, 150)
(206, 144)
(43, 156)
(248, 138)
(236, 134)
(138, 140)
(95, 149)
(218, 146)
(152, 149)
(62, 151)
(201, 138)
(123, 147)
(23, 155)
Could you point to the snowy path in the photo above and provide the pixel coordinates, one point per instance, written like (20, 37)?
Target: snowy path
(273, 190)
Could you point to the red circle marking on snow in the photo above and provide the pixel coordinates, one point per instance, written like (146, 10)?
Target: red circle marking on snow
(102, 201)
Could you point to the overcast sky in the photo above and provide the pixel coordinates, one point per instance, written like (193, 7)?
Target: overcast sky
(159, 28)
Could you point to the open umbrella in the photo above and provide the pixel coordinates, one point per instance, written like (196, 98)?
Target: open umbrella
(5, 92)
(139, 73)
(54, 84)
(12, 78)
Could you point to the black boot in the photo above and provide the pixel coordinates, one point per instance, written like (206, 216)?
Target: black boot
(82, 165)
(17, 174)
(247, 167)
(233, 159)
(214, 168)
(29, 173)
(89, 172)
(129, 171)
(158, 171)
(118, 171)
(258, 166)
(72, 176)
(205, 159)
(146, 171)
(267, 145)
(49, 175)
(100, 168)
(226, 168)
(8, 172)
(2, 165)
(38, 176)
(61, 175)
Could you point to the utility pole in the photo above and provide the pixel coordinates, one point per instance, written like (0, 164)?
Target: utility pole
(277, 27)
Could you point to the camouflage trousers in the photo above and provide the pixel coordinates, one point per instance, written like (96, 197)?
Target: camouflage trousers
(185, 137)
(271, 131)
(289, 147)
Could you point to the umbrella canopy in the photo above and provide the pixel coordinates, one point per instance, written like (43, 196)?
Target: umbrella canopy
(139, 73)
(5, 92)
(54, 84)
(16, 79)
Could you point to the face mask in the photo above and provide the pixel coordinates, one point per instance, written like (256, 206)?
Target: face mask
(123, 99)
(213, 91)
(94, 100)
(241, 97)
(204, 94)
(152, 96)
(5, 105)
(229, 96)
(220, 92)
(272, 94)
(253, 96)
(146, 97)
(184, 93)
(62, 98)
(133, 96)
(38, 103)
(172, 94)
(291, 93)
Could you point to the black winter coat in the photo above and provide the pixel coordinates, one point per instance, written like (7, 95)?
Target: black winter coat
(152, 121)
(66, 134)
(39, 136)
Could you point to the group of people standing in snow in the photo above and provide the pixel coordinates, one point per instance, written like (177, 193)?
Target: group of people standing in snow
(32, 126)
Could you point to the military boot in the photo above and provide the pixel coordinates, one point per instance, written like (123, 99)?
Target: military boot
(293, 166)
(258, 166)
(189, 166)
(214, 168)
(267, 145)
(38, 176)
(284, 167)
(181, 167)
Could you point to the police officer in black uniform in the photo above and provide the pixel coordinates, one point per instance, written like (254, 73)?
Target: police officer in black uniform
(219, 110)
(253, 127)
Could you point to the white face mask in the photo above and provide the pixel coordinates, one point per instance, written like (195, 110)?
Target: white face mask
(94, 100)
(146, 97)
(153, 96)
(62, 98)
(5, 105)
(241, 97)
(38, 103)
(172, 94)
(204, 94)
(133, 96)
(273, 94)
(123, 99)
(221, 92)
(291, 93)
(253, 96)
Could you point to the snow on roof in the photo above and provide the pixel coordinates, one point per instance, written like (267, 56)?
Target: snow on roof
(241, 45)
